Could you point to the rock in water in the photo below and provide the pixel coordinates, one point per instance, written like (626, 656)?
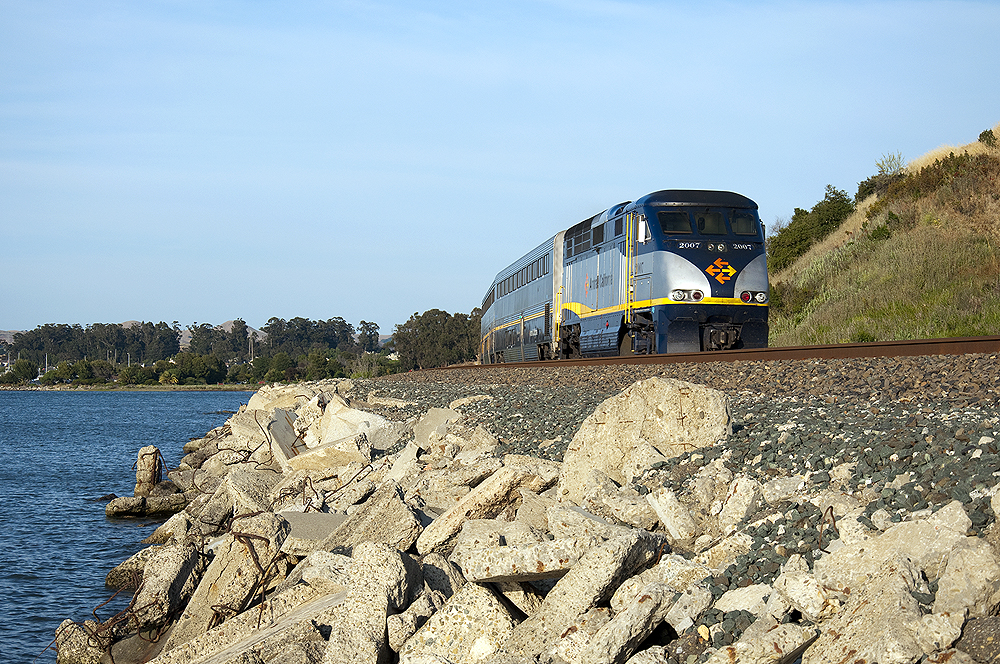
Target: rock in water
(148, 470)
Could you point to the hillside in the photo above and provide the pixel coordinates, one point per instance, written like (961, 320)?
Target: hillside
(920, 259)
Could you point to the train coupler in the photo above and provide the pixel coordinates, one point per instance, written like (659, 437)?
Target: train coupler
(720, 337)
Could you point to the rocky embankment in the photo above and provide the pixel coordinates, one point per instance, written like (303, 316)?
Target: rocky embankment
(833, 511)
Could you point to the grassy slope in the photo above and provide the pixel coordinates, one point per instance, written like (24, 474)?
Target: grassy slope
(939, 277)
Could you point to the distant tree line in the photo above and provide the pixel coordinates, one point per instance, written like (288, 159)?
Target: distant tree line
(436, 338)
(296, 349)
(142, 342)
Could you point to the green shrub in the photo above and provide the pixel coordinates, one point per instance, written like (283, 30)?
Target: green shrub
(807, 228)
(988, 139)
(881, 233)
(789, 299)
(21, 372)
(863, 337)
(877, 184)
(891, 164)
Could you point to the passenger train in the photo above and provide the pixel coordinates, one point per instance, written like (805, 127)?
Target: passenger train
(676, 271)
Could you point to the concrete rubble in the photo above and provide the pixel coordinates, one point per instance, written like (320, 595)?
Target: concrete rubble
(310, 531)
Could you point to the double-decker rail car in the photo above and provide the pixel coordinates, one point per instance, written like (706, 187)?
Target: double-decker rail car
(676, 271)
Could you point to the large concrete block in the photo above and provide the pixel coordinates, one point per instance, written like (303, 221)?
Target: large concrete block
(776, 645)
(148, 470)
(531, 562)
(572, 521)
(383, 518)
(486, 501)
(242, 563)
(926, 543)
(618, 640)
(590, 582)
(381, 579)
(435, 420)
(469, 628)
(671, 415)
(169, 580)
(309, 530)
(882, 622)
(341, 424)
(243, 638)
(266, 437)
(970, 581)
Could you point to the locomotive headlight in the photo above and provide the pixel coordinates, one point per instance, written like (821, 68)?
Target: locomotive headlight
(761, 297)
(681, 295)
(746, 296)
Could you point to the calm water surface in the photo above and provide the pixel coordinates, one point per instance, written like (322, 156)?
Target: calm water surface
(59, 451)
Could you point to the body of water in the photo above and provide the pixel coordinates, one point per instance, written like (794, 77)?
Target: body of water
(60, 451)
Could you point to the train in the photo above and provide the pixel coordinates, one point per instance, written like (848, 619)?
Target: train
(676, 271)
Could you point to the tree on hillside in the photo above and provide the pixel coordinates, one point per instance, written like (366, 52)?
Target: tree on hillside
(104, 340)
(300, 336)
(807, 228)
(239, 337)
(149, 342)
(368, 336)
(205, 338)
(192, 368)
(58, 341)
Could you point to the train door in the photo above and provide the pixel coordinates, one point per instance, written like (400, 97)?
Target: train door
(637, 331)
(643, 290)
(521, 335)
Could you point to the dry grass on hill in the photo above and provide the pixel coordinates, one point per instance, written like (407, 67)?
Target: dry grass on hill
(924, 267)
(940, 152)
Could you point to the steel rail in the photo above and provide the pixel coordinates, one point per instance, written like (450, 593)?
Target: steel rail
(902, 348)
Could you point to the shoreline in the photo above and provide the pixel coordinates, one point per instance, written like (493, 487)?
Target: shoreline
(129, 388)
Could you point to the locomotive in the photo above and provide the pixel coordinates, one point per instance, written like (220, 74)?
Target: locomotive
(676, 271)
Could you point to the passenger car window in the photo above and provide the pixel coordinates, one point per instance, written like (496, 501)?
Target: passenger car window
(743, 223)
(674, 222)
(710, 223)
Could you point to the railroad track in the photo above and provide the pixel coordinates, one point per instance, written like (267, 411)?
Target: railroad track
(906, 348)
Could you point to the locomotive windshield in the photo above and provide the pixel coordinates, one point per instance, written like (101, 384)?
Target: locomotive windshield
(674, 222)
(744, 222)
(708, 221)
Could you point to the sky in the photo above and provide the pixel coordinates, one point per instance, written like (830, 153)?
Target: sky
(201, 161)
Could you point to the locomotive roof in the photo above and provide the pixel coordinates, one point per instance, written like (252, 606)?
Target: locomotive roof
(696, 197)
